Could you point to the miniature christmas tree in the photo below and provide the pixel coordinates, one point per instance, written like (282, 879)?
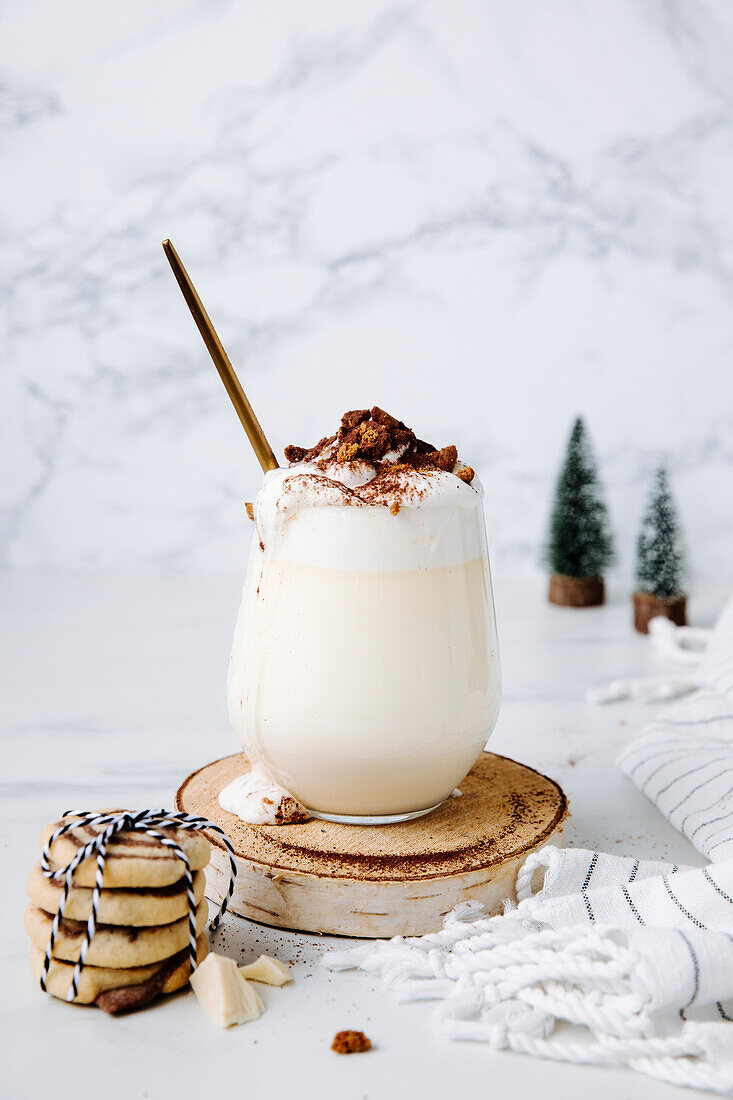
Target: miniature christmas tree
(660, 564)
(579, 544)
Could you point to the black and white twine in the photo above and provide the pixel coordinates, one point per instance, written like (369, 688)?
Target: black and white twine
(142, 821)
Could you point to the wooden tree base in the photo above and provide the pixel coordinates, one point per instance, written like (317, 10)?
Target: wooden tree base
(373, 881)
(576, 591)
(647, 607)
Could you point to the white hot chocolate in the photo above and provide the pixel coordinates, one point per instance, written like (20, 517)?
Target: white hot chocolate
(364, 676)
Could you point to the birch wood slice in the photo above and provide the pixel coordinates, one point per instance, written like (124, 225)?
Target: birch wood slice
(386, 880)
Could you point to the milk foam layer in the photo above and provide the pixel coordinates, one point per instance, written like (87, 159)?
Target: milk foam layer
(304, 517)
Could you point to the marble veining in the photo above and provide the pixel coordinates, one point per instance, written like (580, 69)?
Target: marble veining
(485, 216)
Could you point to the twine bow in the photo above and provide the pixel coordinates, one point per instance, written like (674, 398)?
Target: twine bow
(149, 822)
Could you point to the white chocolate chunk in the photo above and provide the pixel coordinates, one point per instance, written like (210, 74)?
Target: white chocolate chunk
(267, 970)
(223, 993)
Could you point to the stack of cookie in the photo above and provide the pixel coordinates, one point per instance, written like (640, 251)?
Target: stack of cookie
(140, 948)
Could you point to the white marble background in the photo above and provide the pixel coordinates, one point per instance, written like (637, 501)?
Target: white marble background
(484, 215)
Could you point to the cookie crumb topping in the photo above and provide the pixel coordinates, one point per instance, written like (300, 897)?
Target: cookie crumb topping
(351, 1042)
(378, 439)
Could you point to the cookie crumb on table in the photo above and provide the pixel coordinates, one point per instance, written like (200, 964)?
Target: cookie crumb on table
(351, 1042)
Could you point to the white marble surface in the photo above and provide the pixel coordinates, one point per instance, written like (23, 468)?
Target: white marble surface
(112, 690)
(485, 215)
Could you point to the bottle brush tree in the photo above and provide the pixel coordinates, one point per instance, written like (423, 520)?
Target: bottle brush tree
(579, 546)
(660, 563)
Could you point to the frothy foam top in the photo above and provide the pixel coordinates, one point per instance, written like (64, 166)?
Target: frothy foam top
(346, 490)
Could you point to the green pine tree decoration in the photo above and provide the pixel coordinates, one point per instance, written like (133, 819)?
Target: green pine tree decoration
(660, 563)
(579, 546)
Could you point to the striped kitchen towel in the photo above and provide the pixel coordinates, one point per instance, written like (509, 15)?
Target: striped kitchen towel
(612, 962)
(683, 760)
(606, 960)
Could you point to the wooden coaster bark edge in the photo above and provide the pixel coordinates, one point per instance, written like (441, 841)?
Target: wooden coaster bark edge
(367, 910)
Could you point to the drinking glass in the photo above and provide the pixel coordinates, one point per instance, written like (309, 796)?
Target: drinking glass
(365, 670)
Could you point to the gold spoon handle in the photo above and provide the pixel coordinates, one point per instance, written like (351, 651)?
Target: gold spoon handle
(237, 396)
